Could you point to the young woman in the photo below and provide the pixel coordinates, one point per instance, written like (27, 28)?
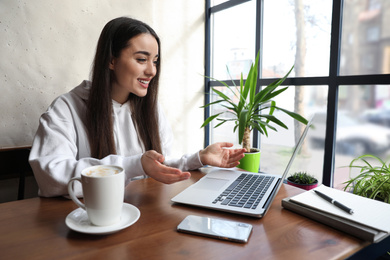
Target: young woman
(115, 119)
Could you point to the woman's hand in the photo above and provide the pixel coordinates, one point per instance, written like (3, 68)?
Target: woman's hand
(217, 155)
(152, 164)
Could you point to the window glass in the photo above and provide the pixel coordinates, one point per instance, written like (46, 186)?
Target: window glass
(365, 38)
(363, 126)
(296, 35)
(277, 148)
(233, 41)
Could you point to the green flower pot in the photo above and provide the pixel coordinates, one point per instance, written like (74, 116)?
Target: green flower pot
(250, 162)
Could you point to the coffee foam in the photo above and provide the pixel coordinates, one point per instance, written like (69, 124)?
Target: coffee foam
(102, 171)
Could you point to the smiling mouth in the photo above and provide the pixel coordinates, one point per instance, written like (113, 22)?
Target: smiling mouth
(145, 82)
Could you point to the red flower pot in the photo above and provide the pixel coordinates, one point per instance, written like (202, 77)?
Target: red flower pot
(303, 186)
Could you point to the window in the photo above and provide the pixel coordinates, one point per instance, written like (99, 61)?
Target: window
(365, 23)
(233, 41)
(296, 35)
(341, 56)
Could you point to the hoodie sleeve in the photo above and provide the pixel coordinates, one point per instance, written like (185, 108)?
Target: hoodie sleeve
(60, 151)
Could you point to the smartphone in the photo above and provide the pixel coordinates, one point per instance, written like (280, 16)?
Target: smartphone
(216, 228)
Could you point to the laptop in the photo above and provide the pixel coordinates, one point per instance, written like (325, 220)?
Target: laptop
(235, 191)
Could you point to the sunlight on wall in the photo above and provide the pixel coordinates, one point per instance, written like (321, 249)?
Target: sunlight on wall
(47, 48)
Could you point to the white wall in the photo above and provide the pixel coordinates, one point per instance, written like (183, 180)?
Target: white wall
(47, 48)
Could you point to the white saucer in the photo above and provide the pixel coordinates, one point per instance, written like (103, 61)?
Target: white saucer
(78, 221)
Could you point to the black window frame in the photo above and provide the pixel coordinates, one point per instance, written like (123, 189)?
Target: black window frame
(333, 81)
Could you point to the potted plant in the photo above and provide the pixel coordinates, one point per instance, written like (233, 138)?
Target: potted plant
(373, 181)
(302, 180)
(251, 111)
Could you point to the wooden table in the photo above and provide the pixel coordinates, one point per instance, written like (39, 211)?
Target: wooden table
(36, 229)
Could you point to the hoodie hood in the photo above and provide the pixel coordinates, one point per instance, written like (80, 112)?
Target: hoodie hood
(82, 90)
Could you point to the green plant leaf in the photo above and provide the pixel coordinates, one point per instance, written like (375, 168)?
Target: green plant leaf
(208, 120)
(272, 109)
(242, 124)
(235, 128)
(226, 98)
(265, 125)
(222, 82)
(373, 181)
(261, 129)
(241, 82)
(213, 103)
(296, 116)
(275, 120)
(273, 94)
(271, 87)
(229, 110)
(253, 80)
(248, 81)
(223, 121)
(302, 178)
(259, 98)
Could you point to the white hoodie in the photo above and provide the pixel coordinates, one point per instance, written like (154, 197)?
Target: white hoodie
(60, 150)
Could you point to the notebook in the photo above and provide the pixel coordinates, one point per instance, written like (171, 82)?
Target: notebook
(237, 191)
(369, 220)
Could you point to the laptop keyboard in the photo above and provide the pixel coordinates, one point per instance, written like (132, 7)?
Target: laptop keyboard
(246, 191)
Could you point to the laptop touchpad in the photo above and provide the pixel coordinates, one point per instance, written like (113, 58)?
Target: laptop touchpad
(211, 184)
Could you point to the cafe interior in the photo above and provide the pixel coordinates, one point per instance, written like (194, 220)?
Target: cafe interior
(340, 54)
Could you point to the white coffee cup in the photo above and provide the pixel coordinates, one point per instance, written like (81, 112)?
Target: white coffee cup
(103, 189)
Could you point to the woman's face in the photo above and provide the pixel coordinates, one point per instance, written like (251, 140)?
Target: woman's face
(134, 68)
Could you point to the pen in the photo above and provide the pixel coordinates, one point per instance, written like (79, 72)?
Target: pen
(334, 202)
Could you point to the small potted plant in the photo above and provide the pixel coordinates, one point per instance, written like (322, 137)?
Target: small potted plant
(302, 180)
(251, 111)
(373, 181)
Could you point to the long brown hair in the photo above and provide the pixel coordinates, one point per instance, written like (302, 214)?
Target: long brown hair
(113, 39)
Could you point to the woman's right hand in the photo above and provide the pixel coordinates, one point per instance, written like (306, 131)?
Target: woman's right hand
(152, 163)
